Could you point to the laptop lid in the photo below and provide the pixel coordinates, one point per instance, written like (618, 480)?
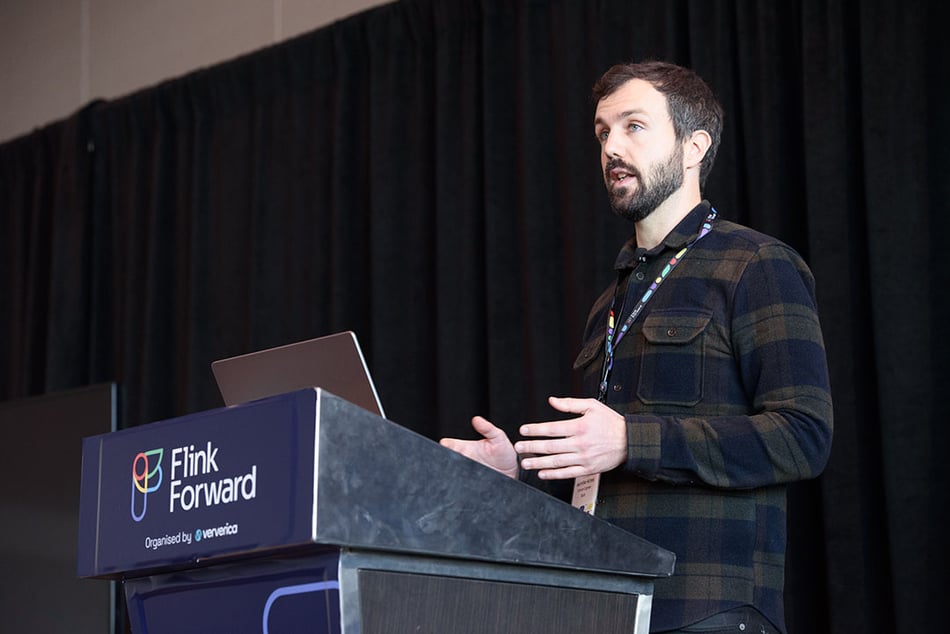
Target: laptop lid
(334, 363)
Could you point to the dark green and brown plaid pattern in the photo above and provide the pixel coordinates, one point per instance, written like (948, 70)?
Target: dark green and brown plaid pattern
(724, 384)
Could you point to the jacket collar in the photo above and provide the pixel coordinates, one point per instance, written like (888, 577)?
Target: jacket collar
(687, 229)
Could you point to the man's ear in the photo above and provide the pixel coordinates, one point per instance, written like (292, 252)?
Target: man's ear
(695, 148)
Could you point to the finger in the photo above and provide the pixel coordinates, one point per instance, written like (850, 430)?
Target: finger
(555, 461)
(552, 429)
(484, 427)
(468, 448)
(451, 443)
(571, 405)
(567, 473)
(545, 447)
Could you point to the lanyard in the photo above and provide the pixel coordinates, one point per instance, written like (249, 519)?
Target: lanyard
(613, 341)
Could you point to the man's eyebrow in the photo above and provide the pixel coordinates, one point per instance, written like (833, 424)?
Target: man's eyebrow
(623, 115)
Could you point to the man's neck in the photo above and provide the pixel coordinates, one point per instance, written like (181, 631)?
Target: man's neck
(654, 228)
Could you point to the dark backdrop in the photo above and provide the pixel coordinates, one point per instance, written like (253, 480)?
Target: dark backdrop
(426, 174)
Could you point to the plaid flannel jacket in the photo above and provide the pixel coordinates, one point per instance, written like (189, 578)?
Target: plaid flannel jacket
(724, 385)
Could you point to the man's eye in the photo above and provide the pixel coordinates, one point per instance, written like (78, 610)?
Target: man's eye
(602, 135)
(633, 127)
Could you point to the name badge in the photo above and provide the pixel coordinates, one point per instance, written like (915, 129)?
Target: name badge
(585, 493)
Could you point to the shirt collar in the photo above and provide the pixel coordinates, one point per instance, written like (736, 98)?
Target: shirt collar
(687, 229)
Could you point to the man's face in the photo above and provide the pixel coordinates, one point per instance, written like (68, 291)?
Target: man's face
(639, 153)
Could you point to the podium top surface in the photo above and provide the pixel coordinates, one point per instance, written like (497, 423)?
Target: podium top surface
(306, 469)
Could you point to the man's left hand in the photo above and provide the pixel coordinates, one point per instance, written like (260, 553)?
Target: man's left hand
(594, 442)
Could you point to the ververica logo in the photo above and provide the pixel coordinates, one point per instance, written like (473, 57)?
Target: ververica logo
(146, 478)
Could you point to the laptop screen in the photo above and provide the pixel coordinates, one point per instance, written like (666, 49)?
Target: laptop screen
(334, 363)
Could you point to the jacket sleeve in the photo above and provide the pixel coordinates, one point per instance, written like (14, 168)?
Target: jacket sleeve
(783, 430)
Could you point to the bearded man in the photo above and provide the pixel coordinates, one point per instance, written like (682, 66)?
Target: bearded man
(704, 367)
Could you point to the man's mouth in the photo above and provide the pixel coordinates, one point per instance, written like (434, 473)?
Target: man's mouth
(618, 174)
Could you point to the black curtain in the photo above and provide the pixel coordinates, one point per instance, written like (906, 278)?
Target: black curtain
(425, 173)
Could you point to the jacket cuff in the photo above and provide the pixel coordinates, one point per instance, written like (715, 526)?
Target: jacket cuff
(643, 447)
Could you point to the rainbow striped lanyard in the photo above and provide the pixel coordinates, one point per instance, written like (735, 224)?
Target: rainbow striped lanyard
(613, 335)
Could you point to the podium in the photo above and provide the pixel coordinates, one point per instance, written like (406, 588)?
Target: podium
(305, 513)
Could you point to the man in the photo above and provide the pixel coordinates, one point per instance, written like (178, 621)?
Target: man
(708, 365)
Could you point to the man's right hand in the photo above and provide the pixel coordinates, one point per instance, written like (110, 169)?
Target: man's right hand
(493, 450)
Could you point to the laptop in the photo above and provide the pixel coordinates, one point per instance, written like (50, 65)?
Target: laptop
(334, 363)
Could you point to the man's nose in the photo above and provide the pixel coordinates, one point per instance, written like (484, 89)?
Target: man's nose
(612, 146)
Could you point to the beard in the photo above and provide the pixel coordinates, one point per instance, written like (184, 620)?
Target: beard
(664, 179)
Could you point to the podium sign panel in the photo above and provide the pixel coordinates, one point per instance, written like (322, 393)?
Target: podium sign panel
(223, 482)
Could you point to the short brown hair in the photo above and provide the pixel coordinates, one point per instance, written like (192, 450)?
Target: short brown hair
(689, 99)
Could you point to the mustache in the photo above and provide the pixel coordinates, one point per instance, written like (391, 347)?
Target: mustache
(614, 163)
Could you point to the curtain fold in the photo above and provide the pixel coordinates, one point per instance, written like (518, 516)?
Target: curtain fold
(837, 207)
(425, 174)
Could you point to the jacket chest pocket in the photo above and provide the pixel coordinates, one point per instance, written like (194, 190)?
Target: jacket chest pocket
(673, 359)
